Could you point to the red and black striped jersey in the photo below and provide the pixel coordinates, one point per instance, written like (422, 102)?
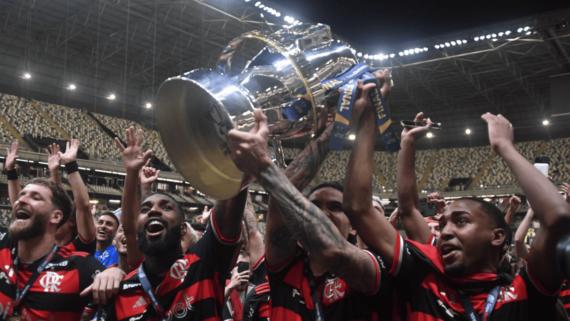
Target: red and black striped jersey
(256, 305)
(55, 293)
(193, 289)
(290, 293)
(564, 295)
(80, 245)
(426, 293)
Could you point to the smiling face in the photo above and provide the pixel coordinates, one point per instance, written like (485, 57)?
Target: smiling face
(159, 225)
(329, 201)
(33, 212)
(469, 241)
(121, 241)
(106, 228)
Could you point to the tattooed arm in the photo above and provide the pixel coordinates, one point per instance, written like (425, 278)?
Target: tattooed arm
(255, 246)
(281, 244)
(228, 215)
(307, 223)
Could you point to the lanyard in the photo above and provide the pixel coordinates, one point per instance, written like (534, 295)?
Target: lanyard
(21, 293)
(468, 306)
(148, 289)
(319, 315)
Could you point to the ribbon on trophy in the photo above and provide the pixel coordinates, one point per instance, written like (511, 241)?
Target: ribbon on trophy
(348, 80)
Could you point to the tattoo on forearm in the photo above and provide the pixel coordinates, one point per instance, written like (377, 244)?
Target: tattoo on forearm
(146, 191)
(306, 165)
(249, 216)
(305, 221)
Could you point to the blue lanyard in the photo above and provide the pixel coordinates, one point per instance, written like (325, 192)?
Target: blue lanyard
(468, 306)
(148, 290)
(21, 293)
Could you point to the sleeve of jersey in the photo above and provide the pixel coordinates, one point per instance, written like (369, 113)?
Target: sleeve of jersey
(533, 284)
(107, 312)
(407, 270)
(218, 250)
(382, 278)
(432, 240)
(91, 267)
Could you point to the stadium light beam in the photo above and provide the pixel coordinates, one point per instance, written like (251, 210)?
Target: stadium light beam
(468, 131)
(545, 122)
(148, 105)
(27, 76)
(111, 97)
(72, 87)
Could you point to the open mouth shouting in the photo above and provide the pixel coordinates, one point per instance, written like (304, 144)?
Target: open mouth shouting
(22, 215)
(155, 227)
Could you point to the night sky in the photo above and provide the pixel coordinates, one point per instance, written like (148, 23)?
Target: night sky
(385, 23)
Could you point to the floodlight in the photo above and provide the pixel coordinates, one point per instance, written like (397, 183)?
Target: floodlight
(495, 39)
(359, 54)
(262, 16)
(257, 4)
(406, 52)
(72, 87)
(352, 137)
(429, 135)
(278, 14)
(488, 37)
(436, 46)
(476, 39)
(458, 42)
(464, 41)
(148, 105)
(111, 97)
(447, 44)
(453, 43)
(425, 48)
(508, 32)
(366, 56)
(494, 35)
(519, 30)
(500, 34)
(27, 76)
(468, 131)
(392, 55)
(416, 50)
(401, 53)
(261, 6)
(526, 28)
(545, 122)
(528, 33)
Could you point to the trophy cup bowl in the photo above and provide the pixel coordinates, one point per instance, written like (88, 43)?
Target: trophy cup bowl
(277, 72)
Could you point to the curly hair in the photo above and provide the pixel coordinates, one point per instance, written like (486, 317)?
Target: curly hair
(59, 197)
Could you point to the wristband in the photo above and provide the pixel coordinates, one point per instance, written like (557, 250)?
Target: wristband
(12, 174)
(71, 167)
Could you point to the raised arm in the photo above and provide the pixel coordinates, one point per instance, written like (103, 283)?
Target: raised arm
(376, 232)
(311, 227)
(255, 244)
(280, 243)
(408, 200)
(515, 203)
(84, 215)
(134, 161)
(550, 209)
(520, 247)
(14, 187)
(54, 163)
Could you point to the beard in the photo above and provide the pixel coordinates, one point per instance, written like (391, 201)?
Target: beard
(159, 247)
(36, 226)
(455, 270)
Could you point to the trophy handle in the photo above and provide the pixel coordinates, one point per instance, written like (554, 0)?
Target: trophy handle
(279, 155)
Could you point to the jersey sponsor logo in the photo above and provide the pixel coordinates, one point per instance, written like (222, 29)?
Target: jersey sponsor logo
(4, 276)
(140, 302)
(51, 282)
(333, 290)
(51, 265)
(130, 286)
(509, 294)
(179, 269)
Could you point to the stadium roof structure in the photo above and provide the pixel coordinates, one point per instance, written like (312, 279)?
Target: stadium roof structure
(127, 48)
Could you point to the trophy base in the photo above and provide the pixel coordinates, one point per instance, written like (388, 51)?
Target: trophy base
(196, 112)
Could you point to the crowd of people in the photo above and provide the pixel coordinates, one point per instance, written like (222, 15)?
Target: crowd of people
(329, 255)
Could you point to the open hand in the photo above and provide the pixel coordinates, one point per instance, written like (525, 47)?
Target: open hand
(249, 149)
(11, 156)
(132, 156)
(70, 151)
(54, 160)
(500, 131)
